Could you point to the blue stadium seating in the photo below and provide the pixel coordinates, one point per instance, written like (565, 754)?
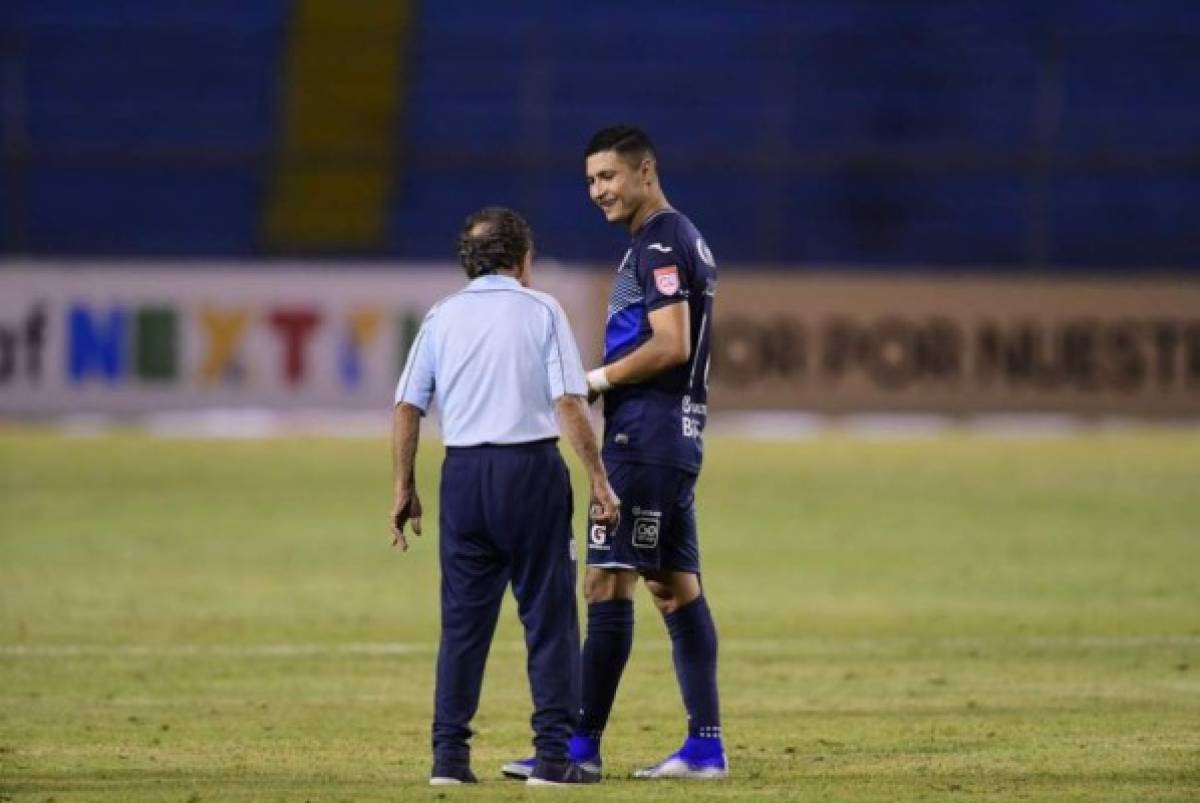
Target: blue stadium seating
(836, 133)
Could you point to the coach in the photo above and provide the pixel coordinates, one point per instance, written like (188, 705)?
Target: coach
(502, 364)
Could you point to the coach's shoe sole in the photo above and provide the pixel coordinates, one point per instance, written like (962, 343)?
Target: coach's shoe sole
(562, 773)
(451, 775)
(520, 769)
(531, 781)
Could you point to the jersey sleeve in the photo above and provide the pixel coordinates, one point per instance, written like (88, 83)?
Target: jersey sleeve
(665, 268)
(416, 385)
(564, 369)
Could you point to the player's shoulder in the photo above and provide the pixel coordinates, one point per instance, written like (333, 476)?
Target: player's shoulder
(662, 228)
(671, 232)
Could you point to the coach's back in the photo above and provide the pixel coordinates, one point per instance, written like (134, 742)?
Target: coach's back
(482, 353)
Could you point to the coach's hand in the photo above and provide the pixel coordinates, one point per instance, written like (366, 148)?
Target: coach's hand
(605, 507)
(407, 508)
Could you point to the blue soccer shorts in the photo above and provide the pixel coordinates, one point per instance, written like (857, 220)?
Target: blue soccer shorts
(658, 521)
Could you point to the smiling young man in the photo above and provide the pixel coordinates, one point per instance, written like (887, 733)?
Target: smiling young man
(654, 383)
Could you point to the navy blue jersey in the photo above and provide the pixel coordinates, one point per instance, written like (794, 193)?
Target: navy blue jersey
(660, 420)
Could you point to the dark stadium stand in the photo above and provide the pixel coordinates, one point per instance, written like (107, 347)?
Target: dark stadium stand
(1023, 135)
(145, 126)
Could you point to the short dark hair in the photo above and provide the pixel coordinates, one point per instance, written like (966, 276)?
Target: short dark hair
(631, 143)
(494, 238)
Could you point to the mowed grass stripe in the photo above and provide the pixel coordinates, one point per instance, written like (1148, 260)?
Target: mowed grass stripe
(946, 619)
(727, 645)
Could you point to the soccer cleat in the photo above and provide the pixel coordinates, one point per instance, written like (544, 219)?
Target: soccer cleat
(522, 768)
(695, 761)
(561, 773)
(583, 750)
(447, 773)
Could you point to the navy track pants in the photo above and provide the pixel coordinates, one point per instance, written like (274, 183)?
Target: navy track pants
(506, 516)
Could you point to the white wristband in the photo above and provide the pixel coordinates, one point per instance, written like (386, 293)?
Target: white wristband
(597, 380)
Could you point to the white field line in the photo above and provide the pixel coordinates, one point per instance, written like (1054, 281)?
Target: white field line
(770, 425)
(815, 646)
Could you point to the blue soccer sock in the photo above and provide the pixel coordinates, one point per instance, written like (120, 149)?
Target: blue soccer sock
(702, 748)
(694, 648)
(605, 652)
(583, 748)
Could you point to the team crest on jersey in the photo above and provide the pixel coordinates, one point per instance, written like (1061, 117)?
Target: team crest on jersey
(667, 280)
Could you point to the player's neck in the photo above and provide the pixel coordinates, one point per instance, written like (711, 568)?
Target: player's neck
(653, 206)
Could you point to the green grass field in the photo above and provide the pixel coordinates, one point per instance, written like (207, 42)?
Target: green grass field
(960, 618)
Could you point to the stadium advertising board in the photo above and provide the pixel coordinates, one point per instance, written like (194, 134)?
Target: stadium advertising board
(104, 338)
(956, 345)
(98, 338)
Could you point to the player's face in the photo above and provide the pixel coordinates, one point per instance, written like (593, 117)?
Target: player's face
(616, 186)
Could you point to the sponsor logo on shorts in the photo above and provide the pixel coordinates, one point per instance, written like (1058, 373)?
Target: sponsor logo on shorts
(598, 537)
(645, 532)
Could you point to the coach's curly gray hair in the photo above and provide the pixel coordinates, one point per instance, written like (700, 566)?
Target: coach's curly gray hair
(494, 238)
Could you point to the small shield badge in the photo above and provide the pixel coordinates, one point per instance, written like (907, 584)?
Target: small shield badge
(667, 280)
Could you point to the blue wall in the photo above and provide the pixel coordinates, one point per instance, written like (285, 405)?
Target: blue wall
(1015, 134)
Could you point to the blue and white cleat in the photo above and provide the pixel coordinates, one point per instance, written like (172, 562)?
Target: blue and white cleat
(701, 764)
(520, 769)
(583, 750)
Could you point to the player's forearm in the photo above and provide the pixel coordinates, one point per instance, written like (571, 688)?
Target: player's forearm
(656, 355)
(575, 424)
(669, 345)
(406, 429)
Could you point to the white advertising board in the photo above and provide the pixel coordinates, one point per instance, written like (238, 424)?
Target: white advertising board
(112, 338)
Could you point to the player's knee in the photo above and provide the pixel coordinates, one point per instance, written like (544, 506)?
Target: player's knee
(663, 595)
(602, 586)
(596, 589)
(658, 589)
(672, 592)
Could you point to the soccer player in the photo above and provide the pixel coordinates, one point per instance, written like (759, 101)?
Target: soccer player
(654, 381)
(502, 363)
